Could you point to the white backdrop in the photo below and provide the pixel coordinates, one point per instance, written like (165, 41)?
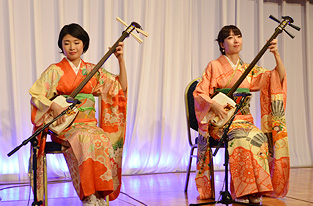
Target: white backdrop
(181, 43)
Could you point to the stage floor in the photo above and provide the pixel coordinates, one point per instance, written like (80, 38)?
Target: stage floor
(158, 190)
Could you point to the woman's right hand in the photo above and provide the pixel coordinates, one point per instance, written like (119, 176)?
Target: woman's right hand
(219, 110)
(56, 110)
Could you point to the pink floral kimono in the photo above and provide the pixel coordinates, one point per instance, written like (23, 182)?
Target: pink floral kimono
(95, 154)
(258, 159)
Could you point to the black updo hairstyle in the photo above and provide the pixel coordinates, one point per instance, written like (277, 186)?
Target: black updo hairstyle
(76, 31)
(224, 33)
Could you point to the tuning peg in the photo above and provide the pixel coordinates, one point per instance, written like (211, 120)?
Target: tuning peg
(286, 17)
(290, 24)
(146, 34)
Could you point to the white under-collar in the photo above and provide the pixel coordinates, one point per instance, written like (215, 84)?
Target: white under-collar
(231, 63)
(248, 77)
(75, 69)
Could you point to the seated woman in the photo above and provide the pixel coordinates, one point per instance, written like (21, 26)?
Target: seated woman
(94, 157)
(258, 159)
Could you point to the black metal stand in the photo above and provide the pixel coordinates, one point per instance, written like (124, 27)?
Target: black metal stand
(34, 143)
(226, 198)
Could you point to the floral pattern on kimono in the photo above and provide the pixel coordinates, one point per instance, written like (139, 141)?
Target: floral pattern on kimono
(259, 159)
(94, 158)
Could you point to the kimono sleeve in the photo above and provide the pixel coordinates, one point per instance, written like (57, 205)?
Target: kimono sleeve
(113, 122)
(108, 83)
(203, 101)
(259, 78)
(41, 92)
(273, 124)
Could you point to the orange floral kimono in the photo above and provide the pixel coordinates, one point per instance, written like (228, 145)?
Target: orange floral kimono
(258, 159)
(95, 156)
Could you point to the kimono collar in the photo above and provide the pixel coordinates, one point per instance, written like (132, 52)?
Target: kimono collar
(75, 69)
(231, 63)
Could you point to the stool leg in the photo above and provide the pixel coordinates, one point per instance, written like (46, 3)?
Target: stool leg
(107, 200)
(189, 168)
(45, 179)
(212, 174)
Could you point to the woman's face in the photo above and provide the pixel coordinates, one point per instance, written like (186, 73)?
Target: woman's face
(73, 48)
(232, 44)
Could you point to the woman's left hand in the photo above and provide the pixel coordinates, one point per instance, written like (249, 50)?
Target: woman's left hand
(279, 64)
(273, 46)
(119, 51)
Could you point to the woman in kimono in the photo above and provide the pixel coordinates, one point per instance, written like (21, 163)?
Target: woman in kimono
(94, 154)
(258, 159)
